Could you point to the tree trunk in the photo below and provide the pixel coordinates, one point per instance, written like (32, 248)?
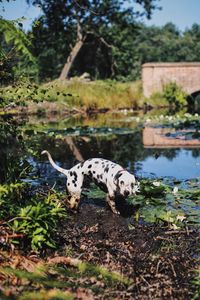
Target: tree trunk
(73, 54)
(76, 152)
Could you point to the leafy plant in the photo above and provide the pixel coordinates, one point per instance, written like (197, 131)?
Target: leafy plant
(16, 58)
(35, 217)
(11, 195)
(174, 94)
(160, 202)
(39, 220)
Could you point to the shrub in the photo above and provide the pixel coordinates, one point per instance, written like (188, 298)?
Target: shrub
(39, 220)
(36, 217)
(174, 94)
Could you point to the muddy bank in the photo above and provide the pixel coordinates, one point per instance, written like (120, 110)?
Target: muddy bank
(159, 262)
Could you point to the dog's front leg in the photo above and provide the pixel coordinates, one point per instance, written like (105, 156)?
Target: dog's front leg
(111, 203)
(74, 201)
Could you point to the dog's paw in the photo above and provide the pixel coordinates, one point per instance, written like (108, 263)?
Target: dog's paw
(73, 202)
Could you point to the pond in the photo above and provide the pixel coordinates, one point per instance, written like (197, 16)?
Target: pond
(130, 139)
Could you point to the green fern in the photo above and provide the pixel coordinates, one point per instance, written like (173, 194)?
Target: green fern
(16, 37)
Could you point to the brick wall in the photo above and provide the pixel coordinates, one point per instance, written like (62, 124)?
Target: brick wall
(156, 75)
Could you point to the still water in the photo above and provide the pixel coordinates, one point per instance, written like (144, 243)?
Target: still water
(117, 137)
(184, 165)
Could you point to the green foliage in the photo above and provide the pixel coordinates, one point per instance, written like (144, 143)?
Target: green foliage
(107, 31)
(11, 195)
(158, 202)
(39, 220)
(16, 37)
(196, 282)
(174, 95)
(76, 94)
(47, 295)
(116, 51)
(13, 163)
(36, 217)
(6, 73)
(16, 59)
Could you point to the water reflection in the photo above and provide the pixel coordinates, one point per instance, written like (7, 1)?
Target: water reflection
(117, 137)
(159, 137)
(184, 165)
(177, 153)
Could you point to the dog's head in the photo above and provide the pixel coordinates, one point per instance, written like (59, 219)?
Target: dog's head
(126, 183)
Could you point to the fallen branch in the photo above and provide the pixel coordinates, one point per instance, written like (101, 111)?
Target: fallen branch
(178, 231)
(11, 236)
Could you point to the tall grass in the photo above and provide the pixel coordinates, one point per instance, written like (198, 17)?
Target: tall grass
(105, 94)
(77, 94)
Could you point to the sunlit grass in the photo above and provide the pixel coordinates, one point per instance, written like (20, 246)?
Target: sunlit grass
(77, 94)
(100, 94)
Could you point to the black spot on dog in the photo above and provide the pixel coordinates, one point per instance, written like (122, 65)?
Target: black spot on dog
(119, 173)
(90, 166)
(101, 185)
(70, 173)
(96, 162)
(94, 172)
(68, 183)
(106, 169)
(121, 182)
(98, 176)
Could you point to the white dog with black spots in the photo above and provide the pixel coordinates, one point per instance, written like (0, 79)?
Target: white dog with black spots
(108, 176)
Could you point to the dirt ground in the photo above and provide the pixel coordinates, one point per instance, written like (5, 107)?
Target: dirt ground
(160, 262)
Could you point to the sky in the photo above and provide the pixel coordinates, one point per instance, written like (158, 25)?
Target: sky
(183, 13)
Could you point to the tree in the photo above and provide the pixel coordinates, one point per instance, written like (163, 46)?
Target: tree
(90, 21)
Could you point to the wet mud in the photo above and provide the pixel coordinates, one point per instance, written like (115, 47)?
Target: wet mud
(160, 263)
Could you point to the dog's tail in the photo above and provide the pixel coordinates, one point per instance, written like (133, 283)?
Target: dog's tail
(59, 169)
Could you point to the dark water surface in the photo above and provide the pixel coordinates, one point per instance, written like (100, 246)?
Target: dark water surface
(118, 137)
(125, 138)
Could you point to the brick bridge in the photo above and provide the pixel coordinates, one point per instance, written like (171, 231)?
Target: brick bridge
(156, 75)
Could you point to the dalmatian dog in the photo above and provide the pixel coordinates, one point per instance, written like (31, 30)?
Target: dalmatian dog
(108, 176)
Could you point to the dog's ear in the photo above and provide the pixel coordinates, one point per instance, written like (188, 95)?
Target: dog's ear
(116, 177)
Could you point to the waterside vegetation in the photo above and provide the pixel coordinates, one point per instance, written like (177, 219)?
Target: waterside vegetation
(48, 251)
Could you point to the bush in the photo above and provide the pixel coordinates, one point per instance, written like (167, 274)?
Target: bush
(36, 217)
(174, 94)
(39, 220)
